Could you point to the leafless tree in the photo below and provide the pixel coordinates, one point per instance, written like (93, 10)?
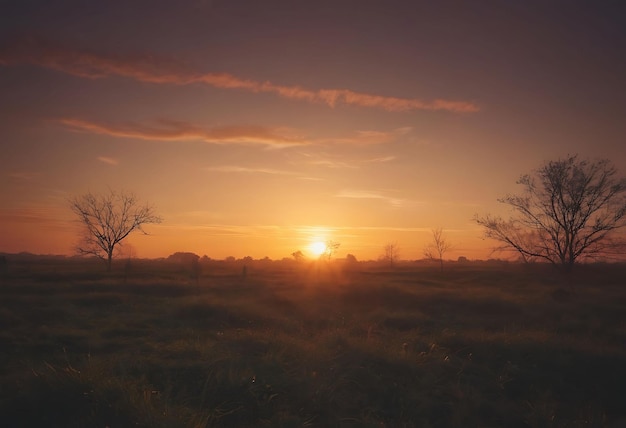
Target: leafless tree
(568, 211)
(108, 219)
(392, 253)
(438, 247)
(331, 248)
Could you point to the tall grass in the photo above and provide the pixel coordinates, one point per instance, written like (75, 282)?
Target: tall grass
(312, 347)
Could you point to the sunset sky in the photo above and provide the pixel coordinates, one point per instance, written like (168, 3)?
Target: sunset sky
(258, 127)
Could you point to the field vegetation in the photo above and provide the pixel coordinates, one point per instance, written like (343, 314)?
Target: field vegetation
(311, 344)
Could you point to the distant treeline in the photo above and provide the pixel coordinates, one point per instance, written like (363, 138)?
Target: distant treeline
(185, 257)
(191, 261)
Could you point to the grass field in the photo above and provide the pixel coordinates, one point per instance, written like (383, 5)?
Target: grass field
(318, 346)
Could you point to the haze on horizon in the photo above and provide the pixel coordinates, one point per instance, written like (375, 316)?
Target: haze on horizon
(259, 128)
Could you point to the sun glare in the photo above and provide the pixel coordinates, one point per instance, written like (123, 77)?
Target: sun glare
(317, 248)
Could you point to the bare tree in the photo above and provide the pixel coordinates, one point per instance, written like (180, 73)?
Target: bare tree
(331, 248)
(108, 219)
(569, 210)
(392, 253)
(438, 247)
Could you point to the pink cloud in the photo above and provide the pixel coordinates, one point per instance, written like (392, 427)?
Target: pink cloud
(151, 69)
(245, 169)
(366, 138)
(23, 175)
(171, 130)
(108, 160)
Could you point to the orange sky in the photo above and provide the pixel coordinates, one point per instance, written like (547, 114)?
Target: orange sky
(255, 128)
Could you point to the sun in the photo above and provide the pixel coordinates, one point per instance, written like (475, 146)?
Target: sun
(317, 248)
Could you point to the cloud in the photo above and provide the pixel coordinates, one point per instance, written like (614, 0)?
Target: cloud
(282, 230)
(309, 178)
(257, 170)
(151, 69)
(350, 231)
(331, 161)
(323, 159)
(48, 216)
(243, 169)
(280, 137)
(369, 137)
(108, 160)
(381, 159)
(218, 229)
(23, 175)
(171, 130)
(368, 194)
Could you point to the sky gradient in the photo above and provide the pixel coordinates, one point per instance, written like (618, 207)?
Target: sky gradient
(258, 127)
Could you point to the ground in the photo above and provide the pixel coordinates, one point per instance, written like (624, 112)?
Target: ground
(312, 344)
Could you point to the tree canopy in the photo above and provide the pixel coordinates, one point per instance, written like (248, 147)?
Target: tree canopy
(108, 219)
(569, 210)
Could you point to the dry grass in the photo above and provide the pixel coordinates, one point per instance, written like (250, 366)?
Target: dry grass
(315, 346)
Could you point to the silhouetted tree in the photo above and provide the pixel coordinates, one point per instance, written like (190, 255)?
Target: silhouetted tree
(391, 254)
(351, 259)
(298, 256)
(331, 248)
(108, 219)
(183, 258)
(438, 247)
(188, 262)
(569, 210)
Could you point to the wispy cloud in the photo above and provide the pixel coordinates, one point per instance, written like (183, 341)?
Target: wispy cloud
(309, 233)
(329, 163)
(280, 137)
(368, 137)
(243, 169)
(22, 175)
(369, 194)
(49, 216)
(151, 69)
(108, 160)
(261, 170)
(171, 130)
(220, 229)
(380, 159)
(310, 178)
(335, 162)
(288, 231)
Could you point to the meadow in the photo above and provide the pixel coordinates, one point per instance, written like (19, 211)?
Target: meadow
(312, 344)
